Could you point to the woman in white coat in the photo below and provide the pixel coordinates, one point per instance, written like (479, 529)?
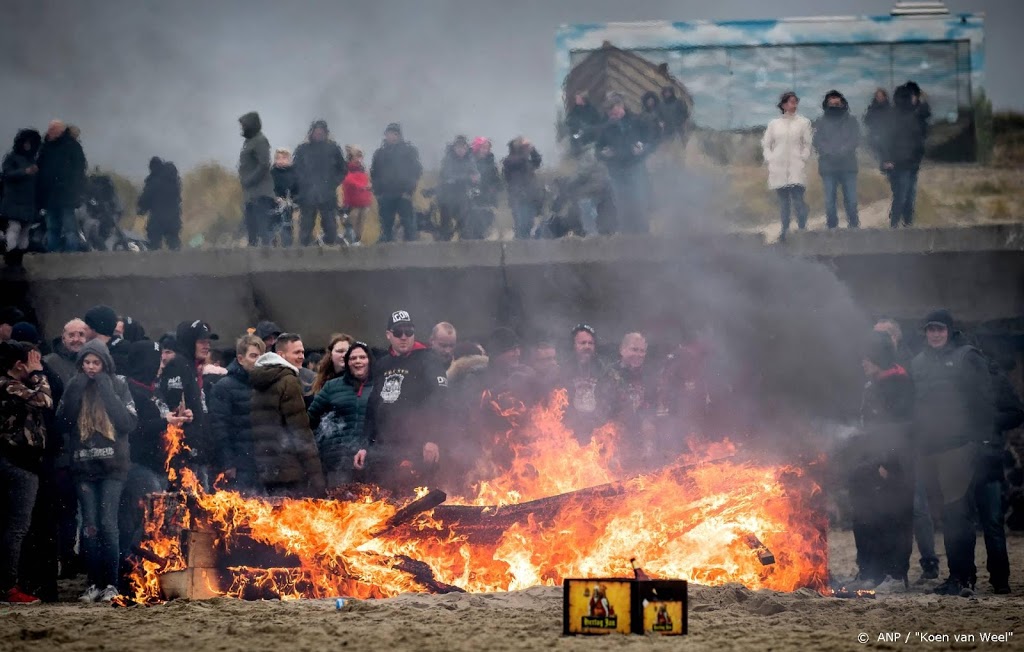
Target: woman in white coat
(787, 146)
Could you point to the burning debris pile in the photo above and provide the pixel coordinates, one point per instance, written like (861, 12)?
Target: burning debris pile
(556, 509)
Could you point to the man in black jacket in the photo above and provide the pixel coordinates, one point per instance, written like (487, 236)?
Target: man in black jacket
(161, 198)
(319, 169)
(60, 184)
(231, 415)
(394, 174)
(406, 412)
(582, 122)
(622, 148)
(836, 136)
(901, 151)
(953, 416)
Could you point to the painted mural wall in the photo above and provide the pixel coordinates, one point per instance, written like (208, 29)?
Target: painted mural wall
(735, 71)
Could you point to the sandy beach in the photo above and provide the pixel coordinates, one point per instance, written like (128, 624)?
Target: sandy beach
(727, 617)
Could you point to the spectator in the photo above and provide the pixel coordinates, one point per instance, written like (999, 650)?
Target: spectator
(952, 416)
(289, 346)
(524, 191)
(674, 114)
(487, 168)
(319, 169)
(405, 416)
(786, 147)
(443, 339)
(880, 469)
(357, 194)
(286, 191)
(395, 172)
(132, 330)
(622, 148)
(836, 136)
(97, 415)
(287, 462)
(584, 377)
(891, 327)
(651, 118)
(167, 352)
(257, 182)
(922, 109)
(60, 184)
(161, 198)
(634, 395)
(544, 362)
(182, 389)
(101, 324)
(338, 416)
(9, 316)
(19, 175)
(333, 364)
(460, 178)
(268, 331)
(24, 399)
(231, 415)
(875, 119)
(902, 150)
(583, 123)
(65, 350)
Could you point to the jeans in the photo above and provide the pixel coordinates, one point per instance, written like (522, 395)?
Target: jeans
(62, 229)
(258, 214)
(328, 222)
(18, 488)
(792, 197)
(99, 501)
(832, 182)
(588, 215)
(523, 213)
(989, 499)
(958, 531)
(390, 205)
(924, 529)
(904, 192)
(629, 192)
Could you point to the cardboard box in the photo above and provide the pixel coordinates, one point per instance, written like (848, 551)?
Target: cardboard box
(626, 606)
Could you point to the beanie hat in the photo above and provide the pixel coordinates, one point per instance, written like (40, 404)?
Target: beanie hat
(133, 330)
(502, 340)
(941, 317)
(880, 350)
(143, 361)
(101, 319)
(25, 332)
(395, 127)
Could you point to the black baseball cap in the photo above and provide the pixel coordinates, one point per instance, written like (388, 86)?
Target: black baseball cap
(400, 318)
(266, 329)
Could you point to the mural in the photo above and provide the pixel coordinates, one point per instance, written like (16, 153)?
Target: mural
(735, 71)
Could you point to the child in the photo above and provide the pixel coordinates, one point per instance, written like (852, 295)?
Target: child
(357, 194)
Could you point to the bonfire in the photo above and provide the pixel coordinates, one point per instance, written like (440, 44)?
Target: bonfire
(556, 509)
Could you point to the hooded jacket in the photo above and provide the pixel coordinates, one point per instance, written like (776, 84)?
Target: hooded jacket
(319, 168)
(520, 171)
(904, 134)
(147, 448)
(836, 137)
(674, 112)
(161, 194)
(19, 196)
(356, 187)
(93, 455)
(254, 160)
(284, 450)
(786, 146)
(181, 381)
(875, 118)
(651, 116)
(395, 169)
(338, 417)
(231, 421)
(60, 182)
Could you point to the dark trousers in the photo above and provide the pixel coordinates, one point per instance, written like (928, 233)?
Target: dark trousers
(328, 222)
(258, 213)
(18, 489)
(924, 528)
(903, 183)
(958, 531)
(41, 550)
(158, 231)
(882, 511)
(833, 182)
(100, 501)
(989, 499)
(791, 198)
(390, 205)
(629, 188)
(62, 229)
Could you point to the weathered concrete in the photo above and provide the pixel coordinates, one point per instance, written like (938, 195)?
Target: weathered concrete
(977, 272)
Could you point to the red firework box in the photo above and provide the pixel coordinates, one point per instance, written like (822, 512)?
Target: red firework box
(626, 606)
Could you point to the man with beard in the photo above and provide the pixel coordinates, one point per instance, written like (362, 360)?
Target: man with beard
(394, 174)
(65, 350)
(257, 182)
(836, 136)
(60, 183)
(953, 416)
(586, 379)
(405, 415)
(231, 414)
(319, 169)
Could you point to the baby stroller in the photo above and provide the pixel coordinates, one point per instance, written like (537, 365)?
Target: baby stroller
(99, 219)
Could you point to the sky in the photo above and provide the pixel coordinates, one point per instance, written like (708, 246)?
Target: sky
(144, 78)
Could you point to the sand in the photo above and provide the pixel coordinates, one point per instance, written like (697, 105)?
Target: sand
(722, 618)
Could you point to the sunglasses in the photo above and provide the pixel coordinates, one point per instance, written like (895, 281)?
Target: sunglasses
(403, 332)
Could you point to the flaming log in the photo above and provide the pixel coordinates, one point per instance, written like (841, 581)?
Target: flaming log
(764, 555)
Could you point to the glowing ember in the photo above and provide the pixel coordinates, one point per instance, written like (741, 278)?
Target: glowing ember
(556, 510)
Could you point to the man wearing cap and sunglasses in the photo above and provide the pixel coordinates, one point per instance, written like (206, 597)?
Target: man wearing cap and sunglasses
(406, 411)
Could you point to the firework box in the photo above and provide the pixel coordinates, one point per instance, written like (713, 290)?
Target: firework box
(626, 606)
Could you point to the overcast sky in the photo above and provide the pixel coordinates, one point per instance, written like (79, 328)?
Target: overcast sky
(144, 78)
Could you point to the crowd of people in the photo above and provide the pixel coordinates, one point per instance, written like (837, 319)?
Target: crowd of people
(82, 426)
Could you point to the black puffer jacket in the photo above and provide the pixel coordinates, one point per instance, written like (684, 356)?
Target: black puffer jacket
(836, 137)
(319, 168)
(161, 194)
(395, 169)
(61, 178)
(337, 417)
(231, 421)
(19, 202)
(904, 134)
(953, 403)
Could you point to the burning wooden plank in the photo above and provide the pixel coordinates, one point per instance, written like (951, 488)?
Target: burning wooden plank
(764, 555)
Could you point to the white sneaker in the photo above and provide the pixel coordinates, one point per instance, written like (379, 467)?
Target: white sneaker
(108, 594)
(92, 594)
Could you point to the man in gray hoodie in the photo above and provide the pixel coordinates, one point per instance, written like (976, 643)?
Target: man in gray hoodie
(257, 183)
